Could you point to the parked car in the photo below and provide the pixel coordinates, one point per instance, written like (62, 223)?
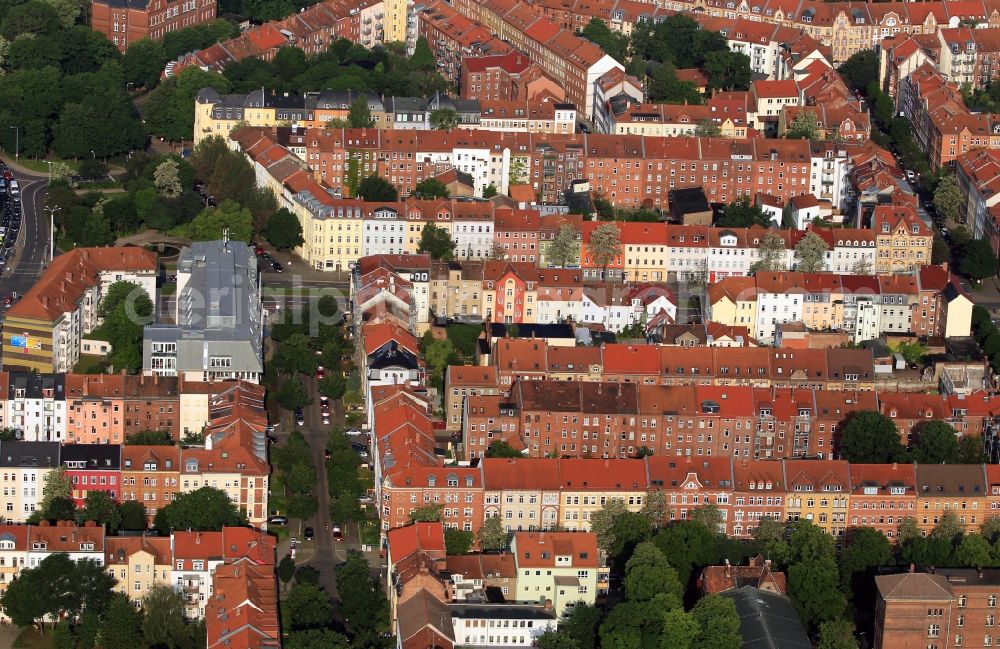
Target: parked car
(300, 417)
(320, 372)
(277, 520)
(326, 419)
(338, 534)
(277, 267)
(309, 534)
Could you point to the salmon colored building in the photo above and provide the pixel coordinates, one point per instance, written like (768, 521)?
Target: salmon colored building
(108, 408)
(882, 495)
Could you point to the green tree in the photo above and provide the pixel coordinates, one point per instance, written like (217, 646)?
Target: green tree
(362, 601)
(614, 44)
(99, 507)
(427, 514)
(143, 63)
(518, 172)
(150, 438)
(286, 570)
(57, 587)
(810, 253)
(948, 198)
(860, 70)
(163, 620)
(436, 241)
(430, 188)
(121, 627)
(936, 443)
(868, 549)
(708, 515)
(316, 639)
(333, 386)
(862, 267)
(603, 520)
(805, 126)
(422, 57)
(940, 252)
(648, 573)
(443, 119)
(58, 487)
(133, 516)
(814, 589)
(719, 623)
(837, 634)
(359, 115)
(770, 540)
(457, 541)
(770, 254)
(665, 87)
(502, 449)
(690, 546)
(556, 640)
(975, 551)
(376, 189)
(491, 535)
(970, 450)
(283, 230)
(204, 509)
(309, 606)
(727, 70)
(295, 355)
(605, 245)
(167, 180)
(680, 630)
(869, 437)
(565, 246)
(707, 128)
(948, 527)
(212, 222)
(490, 191)
(741, 213)
(628, 530)
(978, 260)
(292, 394)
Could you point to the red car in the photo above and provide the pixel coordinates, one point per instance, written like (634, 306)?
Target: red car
(320, 372)
(7, 175)
(337, 534)
(259, 250)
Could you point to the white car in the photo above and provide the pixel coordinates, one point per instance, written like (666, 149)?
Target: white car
(326, 419)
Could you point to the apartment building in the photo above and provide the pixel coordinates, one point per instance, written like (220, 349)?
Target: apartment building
(24, 467)
(311, 30)
(968, 56)
(139, 563)
(978, 176)
(882, 495)
(947, 608)
(557, 568)
(948, 487)
(862, 306)
(124, 22)
(506, 77)
(218, 313)
(45, 329)
(150, 475)
(92, 467)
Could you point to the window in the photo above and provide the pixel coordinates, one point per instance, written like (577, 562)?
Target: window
(934, 630)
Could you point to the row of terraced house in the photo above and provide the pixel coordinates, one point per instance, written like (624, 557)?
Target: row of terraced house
(233, 457)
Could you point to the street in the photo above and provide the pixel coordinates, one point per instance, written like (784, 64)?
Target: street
(31, 248)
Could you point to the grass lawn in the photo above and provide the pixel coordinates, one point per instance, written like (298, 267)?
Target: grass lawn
(368, 532)
(276, 496)
(463, 337)
(90, 365)
(41, 166)
(168, 288)
(30, 638)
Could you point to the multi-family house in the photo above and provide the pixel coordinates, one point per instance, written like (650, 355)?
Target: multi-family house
(882, 495)
(92, 467)
(25, 466)
(138, 563)
(150, 475)
(903, 241)
(818, 493)
(45, 330)
(557, 568)
(950, 487)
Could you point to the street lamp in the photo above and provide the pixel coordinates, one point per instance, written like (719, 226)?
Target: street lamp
(17, 141)
(93, 154)
(52, 229)
(49, 162)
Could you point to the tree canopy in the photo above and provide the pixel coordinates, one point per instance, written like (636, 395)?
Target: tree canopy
(204, 509)
(869, 437)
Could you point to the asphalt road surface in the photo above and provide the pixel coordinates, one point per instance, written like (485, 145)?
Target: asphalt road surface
(31, 247)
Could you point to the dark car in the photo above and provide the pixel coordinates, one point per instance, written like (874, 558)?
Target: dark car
(277, 267)
(309, 534)
(300, 417)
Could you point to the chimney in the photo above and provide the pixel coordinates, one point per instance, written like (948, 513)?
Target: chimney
(197, 537)
(767, 563)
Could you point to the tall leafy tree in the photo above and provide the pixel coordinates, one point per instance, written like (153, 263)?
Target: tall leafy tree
(869, 437)
(309, 606)
(212, 222)
(376, 188)
(359, 115)
(810, 253)
(837, 634)
(204, 509)
(860, 70)
(605, 245)
(436, 241)
(99, 507)
(163, 621)
(283, 230)
(362, 601)
(491, 535)
(978, 260)
(741, 213)
(867, 550)
(936, 443)
(948, 198)
(443, 119)
(719, 623)
(648, 573)
(316, 639)
(771, 254)
(805, 126)
(58, 487)
(430, 188)
(121, 627)
(565, 247)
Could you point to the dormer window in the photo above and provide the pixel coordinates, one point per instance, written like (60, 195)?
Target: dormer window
(431, 481)
(885, 227)
(150, 465)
